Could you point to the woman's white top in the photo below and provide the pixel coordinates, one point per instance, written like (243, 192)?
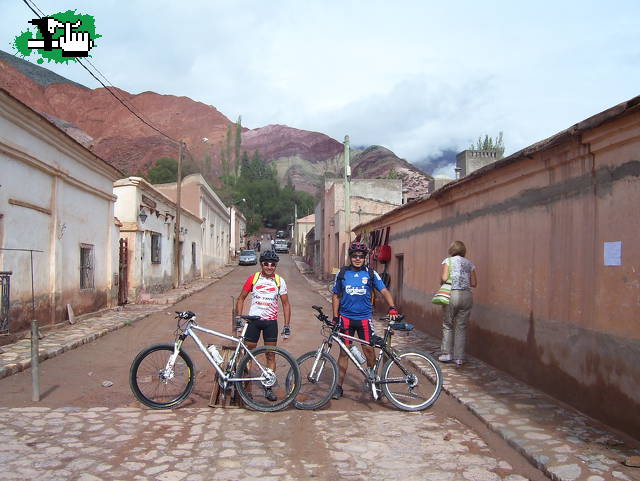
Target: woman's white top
(460, 272)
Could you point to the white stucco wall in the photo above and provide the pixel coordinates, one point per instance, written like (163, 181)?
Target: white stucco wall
(198, 197)
(144, 276)
(55, 195)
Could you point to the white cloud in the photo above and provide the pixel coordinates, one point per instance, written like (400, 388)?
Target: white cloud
(415, 76)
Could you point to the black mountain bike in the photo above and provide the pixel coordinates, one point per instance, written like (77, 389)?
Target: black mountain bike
(410, 379)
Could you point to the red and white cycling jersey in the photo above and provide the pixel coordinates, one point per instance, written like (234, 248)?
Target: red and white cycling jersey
(264, 297)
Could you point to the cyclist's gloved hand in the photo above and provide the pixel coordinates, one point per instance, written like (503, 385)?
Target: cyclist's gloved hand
(336, 320)
(239, 323)
(393, 313)
(286, 331)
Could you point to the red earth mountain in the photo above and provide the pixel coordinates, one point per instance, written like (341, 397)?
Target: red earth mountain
(101, 122)
(306, 157)
(117, 135)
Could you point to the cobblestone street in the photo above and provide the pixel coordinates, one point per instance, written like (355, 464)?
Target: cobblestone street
(485, 427)
(204, 444)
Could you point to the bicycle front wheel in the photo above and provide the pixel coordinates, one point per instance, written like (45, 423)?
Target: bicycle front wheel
(412, 382)
(267, 386)
(156, 386)
(317, 385)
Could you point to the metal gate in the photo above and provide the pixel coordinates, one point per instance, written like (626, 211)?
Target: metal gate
(123, 279)
(5, 282)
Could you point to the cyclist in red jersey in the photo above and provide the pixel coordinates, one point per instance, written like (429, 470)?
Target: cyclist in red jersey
(265, 288)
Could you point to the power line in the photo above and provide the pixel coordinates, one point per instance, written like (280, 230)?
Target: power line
(139, 116)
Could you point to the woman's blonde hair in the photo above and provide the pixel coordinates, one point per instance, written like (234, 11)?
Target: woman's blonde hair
(457, 248)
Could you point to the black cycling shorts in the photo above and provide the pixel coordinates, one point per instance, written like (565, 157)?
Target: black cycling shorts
(364, 328)
(269, 329)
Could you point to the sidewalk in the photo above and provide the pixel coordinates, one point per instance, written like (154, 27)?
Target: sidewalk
(560, 441)
(16, 357)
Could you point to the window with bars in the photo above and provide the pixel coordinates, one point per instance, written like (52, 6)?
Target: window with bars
(86, 266)
(155, 248)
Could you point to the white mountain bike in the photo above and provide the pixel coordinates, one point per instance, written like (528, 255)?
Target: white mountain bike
(162, 376)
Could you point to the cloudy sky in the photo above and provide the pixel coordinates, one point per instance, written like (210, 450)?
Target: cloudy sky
(417, 77)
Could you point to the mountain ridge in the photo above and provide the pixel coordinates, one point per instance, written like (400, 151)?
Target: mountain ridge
(113, 133)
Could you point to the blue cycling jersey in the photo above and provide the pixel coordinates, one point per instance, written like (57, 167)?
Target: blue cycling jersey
(355, 293)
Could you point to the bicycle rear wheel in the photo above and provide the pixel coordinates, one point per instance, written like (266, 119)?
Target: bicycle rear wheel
(414, 386)
(156, 387)
(263, 381)
(316, 387)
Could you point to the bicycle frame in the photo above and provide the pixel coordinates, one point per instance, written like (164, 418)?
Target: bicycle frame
(386, 349)
(336, 337)
(224, 376)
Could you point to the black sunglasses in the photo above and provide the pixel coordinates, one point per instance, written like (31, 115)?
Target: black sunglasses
(269, 264)
(358, 256)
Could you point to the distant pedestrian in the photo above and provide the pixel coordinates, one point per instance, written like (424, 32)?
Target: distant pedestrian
(273, 245)
(258, 246)
(461, 272)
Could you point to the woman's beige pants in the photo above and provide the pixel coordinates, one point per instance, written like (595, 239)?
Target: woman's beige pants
(454, 325)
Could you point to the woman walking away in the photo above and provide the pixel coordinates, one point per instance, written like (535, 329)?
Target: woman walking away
(461, 273)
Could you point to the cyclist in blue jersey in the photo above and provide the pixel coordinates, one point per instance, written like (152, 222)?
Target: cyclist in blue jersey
(353, 307)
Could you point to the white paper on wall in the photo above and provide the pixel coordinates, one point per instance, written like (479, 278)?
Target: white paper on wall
(613, 253)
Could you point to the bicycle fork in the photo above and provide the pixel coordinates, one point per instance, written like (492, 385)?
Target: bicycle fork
(167, 373)
(318, 365)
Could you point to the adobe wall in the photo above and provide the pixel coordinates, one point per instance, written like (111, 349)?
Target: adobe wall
(546, 309)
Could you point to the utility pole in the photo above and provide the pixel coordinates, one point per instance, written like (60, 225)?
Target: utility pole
(294, 234)
(176, 249)
(347, 197)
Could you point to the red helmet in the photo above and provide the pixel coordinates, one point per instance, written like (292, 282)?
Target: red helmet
(358, 247)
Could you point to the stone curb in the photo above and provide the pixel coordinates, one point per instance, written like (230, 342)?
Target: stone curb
(559, 441)
(16, 357)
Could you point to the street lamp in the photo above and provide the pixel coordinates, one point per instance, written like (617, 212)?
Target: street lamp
(177, 248)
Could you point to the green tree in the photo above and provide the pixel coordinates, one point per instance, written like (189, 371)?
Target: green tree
(487, 143)
(238, 143)
(264, 200)
(393, 173)
(227, 161)
(165, 170)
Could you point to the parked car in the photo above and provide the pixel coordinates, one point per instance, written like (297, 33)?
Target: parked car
(282, 245)
(248, 258)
